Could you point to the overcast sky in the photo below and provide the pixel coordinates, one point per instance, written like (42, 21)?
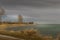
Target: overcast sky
(47, 11)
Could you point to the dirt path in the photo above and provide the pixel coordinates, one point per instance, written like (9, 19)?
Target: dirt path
(4, 37)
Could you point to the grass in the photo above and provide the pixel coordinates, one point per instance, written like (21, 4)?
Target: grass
(26, 35)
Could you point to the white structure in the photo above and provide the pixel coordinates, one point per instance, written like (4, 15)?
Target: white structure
(12, 18)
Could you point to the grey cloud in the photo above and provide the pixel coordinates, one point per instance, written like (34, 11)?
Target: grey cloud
(13, 4)
(44, 10)
(33, 3)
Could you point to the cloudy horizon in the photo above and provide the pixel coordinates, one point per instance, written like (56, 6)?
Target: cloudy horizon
(46, 11)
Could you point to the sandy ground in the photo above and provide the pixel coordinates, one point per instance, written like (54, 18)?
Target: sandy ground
(3, 26)
(4, 37)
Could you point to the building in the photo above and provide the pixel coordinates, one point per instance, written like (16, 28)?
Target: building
(8, 19)
(20, 18)
(12, 19)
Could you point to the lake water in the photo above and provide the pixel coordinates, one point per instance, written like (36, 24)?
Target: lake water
(47, 29)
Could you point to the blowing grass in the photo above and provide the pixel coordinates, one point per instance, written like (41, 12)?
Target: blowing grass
(25, 34)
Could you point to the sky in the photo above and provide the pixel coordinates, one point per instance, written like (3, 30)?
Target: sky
(45, 11)
(15, 18)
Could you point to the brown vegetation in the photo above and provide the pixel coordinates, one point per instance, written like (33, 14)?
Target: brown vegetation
(27, 35)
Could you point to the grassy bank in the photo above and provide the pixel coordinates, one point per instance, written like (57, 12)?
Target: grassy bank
(26, 35)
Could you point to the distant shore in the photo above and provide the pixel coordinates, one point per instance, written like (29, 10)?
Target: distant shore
(3, 26)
